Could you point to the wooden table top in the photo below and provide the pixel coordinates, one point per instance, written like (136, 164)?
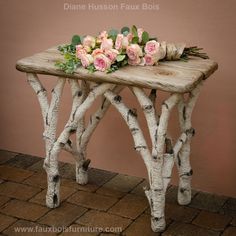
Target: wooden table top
(171, 76)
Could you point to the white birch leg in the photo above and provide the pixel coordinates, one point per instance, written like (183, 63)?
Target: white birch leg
(50, 116)
(79, 94)
(156, 193)
(75, 117)
(154, 162)
(182, 158)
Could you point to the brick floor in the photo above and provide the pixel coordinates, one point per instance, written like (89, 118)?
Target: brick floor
(142, 224)
(119, 185)
(231, 231)
(95, 218)
(6, 156)
(63, 215)
(108, 201)
(6, 221)
(23, 161)
(18, 191)
(37, 180)
(180, 213)
(14, 174)
(130, 206)
(207, 201)
(24, 210)
(178, 229)
(92, 200)
(213, 221)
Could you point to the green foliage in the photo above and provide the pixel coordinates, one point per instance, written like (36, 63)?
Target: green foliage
(71, 61)
(125, 30)
(135, 39)
(113, 68)
(145, 37)
(113, 34)
(91, 68)
(75, 40)
(120, 57)
(134, 31)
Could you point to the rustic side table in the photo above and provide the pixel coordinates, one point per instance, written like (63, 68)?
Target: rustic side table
(182, 80)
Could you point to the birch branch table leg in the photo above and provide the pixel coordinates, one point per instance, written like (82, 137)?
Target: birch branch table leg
(50, 117)
(156, 193)
(154, 162)
(183, 160)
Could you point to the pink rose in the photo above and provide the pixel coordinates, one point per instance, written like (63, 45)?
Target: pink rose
(106, 44)
(89, 41)
(135, 62)
(103, 35)
(130, 37)
(101, 62)
(97, 51)
(152, 47)
(134, 51)
(125, 42)
(118, 43)
(150, 60)
(80, 50)
(140, 33)
(86, 60)
(111, 54)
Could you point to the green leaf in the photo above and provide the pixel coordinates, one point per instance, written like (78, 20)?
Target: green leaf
(125, 30)
(145, 37)
(113, 32)
(120, 58)
(134, 31)
(75, 40)
(135, 39)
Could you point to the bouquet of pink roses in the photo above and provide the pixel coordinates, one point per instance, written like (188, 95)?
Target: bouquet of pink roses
(111, 50)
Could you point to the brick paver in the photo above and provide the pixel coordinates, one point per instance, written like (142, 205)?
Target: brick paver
(22, 161)
(130, 206)
(37, 179)
(5, 221)
(119, 185)
(94, 218)
(182, 229)
(139, 189)
(142, 224)
(24, 210)
(3, 200)
(14, 174)
(18, 191)
(212, 220)
(6, 156)
(92, 200)
(231, 231)
(109, 200)
(180, 213)
(208, 202)
(233, 222)
(229, 207)
(63, 215)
